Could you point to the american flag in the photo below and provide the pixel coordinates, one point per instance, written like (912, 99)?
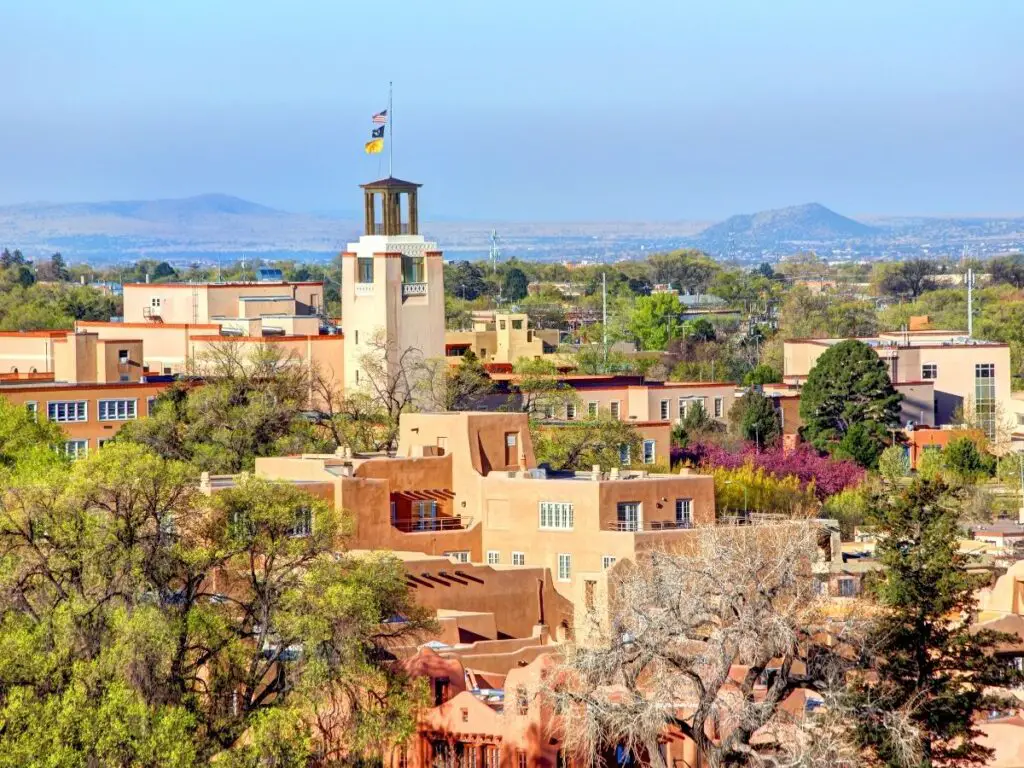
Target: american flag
(381, 117)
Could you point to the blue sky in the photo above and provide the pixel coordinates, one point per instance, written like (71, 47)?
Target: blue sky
(521, 109)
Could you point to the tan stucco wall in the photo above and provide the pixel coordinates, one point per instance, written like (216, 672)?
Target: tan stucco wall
(198, 303)
(24, 351)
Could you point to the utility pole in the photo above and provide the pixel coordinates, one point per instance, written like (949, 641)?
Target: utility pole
(970, 303)
(604, 317)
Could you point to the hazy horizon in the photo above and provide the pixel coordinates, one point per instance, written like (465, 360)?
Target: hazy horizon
(568, 112)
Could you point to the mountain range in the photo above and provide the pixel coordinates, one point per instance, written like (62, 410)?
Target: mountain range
(213, 227)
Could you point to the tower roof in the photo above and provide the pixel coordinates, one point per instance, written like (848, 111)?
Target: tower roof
(391, 183)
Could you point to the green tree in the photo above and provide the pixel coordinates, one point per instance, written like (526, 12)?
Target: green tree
(688, 271)
(655, 320)
(753, 417)
(761, 374)
(515, 285)
(1008, 269)
(924, 688)
(464, 280)
(456, 387)
(966, 461)
(848, 390)
(893, 463)
(579, 445)
(147, 623)
(699, 329)
(164, 270)
(905, 278)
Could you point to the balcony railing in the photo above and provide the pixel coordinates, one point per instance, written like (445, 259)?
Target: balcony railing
(636, 526)
(414, 289)
(434, 525)
(378, 229)
(364, 289)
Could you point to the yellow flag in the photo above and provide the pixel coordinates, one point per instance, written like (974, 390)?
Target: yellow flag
(374, 147)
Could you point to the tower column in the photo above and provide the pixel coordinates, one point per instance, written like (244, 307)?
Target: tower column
(368, 221)
(414, 215)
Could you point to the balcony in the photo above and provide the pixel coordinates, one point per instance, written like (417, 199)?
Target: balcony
(433, 525)
(364, 289)
(636, 526)
(414, 289)
(378, 229)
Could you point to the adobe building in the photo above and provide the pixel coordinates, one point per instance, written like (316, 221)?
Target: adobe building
(392, 283)
(962, 371)
(502, 338)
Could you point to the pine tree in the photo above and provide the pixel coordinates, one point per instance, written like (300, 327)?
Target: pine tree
(753, 417)
(924, 686)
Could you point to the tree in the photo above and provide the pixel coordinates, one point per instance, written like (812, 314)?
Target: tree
(688, 271)
(1008, 269)
(699, 329)
(538, 388)
(893, 463)
(455, 388)
(927, 672)
(25, 438)
(147, 623)
(677, 630)
(849, 387)
(464, 280)
(164, 270)
(579, 445)
(760, 375)
(964, 459)
(655, 320)
(55, 270)
(515, 285)
(905, 278)
(753, 417)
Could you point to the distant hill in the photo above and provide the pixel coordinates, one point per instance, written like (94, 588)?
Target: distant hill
(810, 223)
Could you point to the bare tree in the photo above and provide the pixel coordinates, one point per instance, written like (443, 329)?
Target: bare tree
(709, 642)
(446, 387)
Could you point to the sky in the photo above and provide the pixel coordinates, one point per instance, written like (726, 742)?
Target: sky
(521, 110)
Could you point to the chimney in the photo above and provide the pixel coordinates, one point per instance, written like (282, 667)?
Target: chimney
(204, 481)
(596, 470)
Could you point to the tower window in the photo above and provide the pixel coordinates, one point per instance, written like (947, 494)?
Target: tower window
(365, 270)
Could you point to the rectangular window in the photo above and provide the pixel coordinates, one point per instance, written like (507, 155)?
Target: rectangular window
(592, 409)
(365, 270)
(425, 514)
(985, 397)
(357, 337)
(412, 269)
(493, 557)
(122, 356)
(520, 759)
(117, 410)
(648, 451)
(63, 411)
(614, 409)
(607, 561)
(522, 704)
(930, 371)
(150, 405)
(103, 441)
(155, 302)
(517, 325)
(719, 407)
(518, 558)
(627, 514)
(570, 411)
(846, 588)
(303, 525)
(33, 409)
(624, 457)
(556, 516)
(76, 449)
(684, 512)
(664, 410)
(564, 567)
(460, 556)
(682, 407)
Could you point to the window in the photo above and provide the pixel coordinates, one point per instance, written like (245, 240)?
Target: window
(357, 375)
(846, 588)
(155, 302)
(627, 514)
(684, 512)
(614, 408)
(303, 525)
(67, 410)
(76, 449)
(719, 407)
(501, 324)
(930, 371)
(648, 451)
(522, 701)
(442, 685)
(607, 561)
(103, 441)
(664, 410)
(589, 594)
(365, 270)
(150, 405)
(517, 325)
(425, 514)
(124, 377)
(412, 269)
(624, 457)
(520, 759)
(357, 337)
(570, 411)
(167, 370)
(985, 397)
(465, 715)
(460, 556)
(682, 407)
(33, 409)
(548, 410)
(556, 516)
(122, 356)
(592, 409)
(493, 557)
(117, 410)
(518, 558)
(564, 567)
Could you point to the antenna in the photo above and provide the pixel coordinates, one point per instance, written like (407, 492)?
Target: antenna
(970, 303)
(495, 252)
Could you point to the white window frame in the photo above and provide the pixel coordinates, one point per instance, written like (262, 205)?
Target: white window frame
(76, 449)
(653, 445)
(493, 557)
(518, 558)
(564, 566)
(570, 411)
(607, 561)
(459, 556)
(625, 454)
(130, 409)
(615, 409)
(684, 506)
(155, 301)
(81, 411)
(929, 365)
(556, 516)
(665, 410)
(592, 407)
(719, 407)
(32, 407)
(303, 525)
(682, 407)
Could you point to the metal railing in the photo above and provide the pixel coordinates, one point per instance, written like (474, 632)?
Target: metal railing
(378, 229)
(414, 289)
(434, 524)
(637, 526)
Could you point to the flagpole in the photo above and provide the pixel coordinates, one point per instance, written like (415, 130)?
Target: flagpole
(391, 135)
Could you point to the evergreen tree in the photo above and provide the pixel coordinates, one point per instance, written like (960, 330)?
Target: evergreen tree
(753, 418)
(515, 285)
(924, 686)
(847, 387)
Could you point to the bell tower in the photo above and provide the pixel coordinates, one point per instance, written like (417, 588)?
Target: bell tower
(392, 286)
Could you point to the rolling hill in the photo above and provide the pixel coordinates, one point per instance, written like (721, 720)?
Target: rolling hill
(810, 223)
